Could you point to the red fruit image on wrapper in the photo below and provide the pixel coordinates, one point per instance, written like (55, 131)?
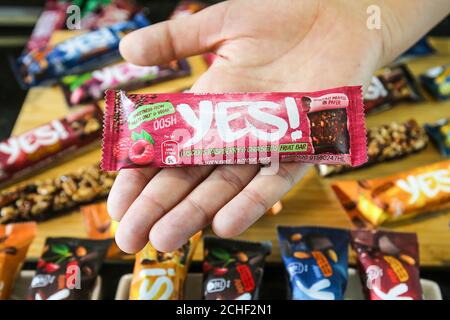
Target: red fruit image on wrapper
(186, 129)
(388, 263)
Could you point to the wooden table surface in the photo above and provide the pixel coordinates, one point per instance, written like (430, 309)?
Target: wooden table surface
(310, 202)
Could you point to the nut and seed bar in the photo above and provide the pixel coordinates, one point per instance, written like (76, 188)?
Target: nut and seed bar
(44, 199)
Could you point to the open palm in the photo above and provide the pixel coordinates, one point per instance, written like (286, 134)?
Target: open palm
(262, 45)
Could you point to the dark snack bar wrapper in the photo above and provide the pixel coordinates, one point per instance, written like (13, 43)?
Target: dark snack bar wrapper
(233, 269)
(437, 81)
(99, 225)
(397, 197)
(386, 142)
(76, 55)
(393, 85)
(44, 199)
(52, 18)
(32, 150)
(420, 49)
(91, 86)
(15, 238)
(388, 263)
(68, 269)
(440, 135)
(187, 129)
(316, 261)
(159, 275)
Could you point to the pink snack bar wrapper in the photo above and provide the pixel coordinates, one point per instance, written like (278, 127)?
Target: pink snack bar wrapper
(187, 129)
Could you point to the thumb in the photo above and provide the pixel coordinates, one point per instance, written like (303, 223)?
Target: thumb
(174, 39)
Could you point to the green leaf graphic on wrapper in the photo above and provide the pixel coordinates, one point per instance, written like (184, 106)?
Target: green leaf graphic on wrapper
(76, 81)
(61, 251)
(143, 135)
(220, 254)
(223, 256)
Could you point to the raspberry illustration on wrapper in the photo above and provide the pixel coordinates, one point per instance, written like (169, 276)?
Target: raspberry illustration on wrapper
(142, 151)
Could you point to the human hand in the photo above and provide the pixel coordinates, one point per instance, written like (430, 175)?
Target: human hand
(261, 46)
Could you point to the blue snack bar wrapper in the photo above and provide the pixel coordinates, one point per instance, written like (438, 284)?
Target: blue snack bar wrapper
(316, 261)
(75, 55)
(437, 81)
(420, 49)
(439, 133)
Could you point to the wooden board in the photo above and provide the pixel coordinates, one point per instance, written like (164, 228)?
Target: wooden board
(310, 202)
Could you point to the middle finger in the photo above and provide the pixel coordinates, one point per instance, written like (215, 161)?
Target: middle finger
(164, 191)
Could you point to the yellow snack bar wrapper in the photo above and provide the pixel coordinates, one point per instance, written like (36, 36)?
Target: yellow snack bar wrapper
(404, 195)
(159, 275)
(15, 238)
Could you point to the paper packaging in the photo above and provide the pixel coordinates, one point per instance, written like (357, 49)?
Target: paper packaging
(388, 263)
(401, 196)
(233, 269)
(40, 147)
(437, 81)
(439, 133)
(68, 269)
(91, 86)
(161, 276)
(186, 129)
(99, 225)
(75, 55)
(44, 199)
(15, 238)
(393, 85)
(315, 259)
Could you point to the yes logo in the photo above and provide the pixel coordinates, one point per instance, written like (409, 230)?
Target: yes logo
(255, 110)
(31, 141)
(430, 184)
(157, 284)
(111, 76)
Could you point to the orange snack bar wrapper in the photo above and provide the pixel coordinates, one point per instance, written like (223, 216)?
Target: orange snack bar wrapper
(161, 276)
(15, 238)
(275, 209)
(404, 195)
(100, 226)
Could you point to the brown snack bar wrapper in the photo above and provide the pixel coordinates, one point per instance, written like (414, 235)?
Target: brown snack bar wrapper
(44, 199)
(388, 263)
(386, 142)
(40, 147)
(161, 276)
(401, 196)
(15, 238)
(393, 85)
(68, 269)
(99, 225)
(233, 269)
